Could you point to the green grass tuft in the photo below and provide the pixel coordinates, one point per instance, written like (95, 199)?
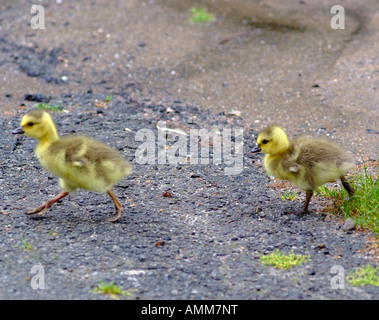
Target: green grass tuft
(201, 15)
(110, 288)
(363, 207)
(289, 194)
(27, 245)
(280, 260)
(50, 107)
(364, 276)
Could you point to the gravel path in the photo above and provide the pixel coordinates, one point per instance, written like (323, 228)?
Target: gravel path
(152, 64)
(214, 227)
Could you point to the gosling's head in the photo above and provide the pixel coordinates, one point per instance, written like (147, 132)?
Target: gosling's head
(272, 140)
(36, 124)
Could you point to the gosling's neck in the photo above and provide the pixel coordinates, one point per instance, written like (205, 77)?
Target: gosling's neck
(275, 154)
(51, 135)
(280, 147)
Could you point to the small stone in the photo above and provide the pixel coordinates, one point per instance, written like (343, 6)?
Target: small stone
(349, 225)
(312, 272)
(235, 113)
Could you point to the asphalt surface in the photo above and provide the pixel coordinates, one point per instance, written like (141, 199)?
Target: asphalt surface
(188, 231)
(214, 226)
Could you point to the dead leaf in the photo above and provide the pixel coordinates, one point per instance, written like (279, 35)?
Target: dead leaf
(167, 194)
(159, 243)
(100, 105)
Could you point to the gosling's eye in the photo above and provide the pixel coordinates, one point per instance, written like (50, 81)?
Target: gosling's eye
(265, 141)
(31, 124)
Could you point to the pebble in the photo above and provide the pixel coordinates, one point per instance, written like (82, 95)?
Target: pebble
(349, 225)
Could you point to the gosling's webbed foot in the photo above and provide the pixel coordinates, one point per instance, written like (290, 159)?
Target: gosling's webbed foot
(297, 213)
(40, 210)
(116, 216)
(305, 210)
(118, 206)
(301, 213)
(46, 205)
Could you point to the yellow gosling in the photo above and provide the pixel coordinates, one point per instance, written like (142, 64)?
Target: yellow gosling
(307, 163)
(78, 161)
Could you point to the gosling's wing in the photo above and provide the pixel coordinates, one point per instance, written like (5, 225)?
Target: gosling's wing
(290, 161)
(76, 154)
(312, 151)
(315, 151)
(88, 164)
(83, 152)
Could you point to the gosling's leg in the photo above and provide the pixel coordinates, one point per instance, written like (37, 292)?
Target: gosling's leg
(46, 205)
(308, 197)
(118, 206)
(309, 194)
(347, 186)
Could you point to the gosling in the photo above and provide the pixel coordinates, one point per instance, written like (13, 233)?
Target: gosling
(78, 161)
(307, 163)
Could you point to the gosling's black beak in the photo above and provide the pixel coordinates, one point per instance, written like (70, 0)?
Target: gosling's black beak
(19, 130)
(256, 149)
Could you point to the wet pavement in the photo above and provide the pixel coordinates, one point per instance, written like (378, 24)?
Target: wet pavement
(274, 63)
